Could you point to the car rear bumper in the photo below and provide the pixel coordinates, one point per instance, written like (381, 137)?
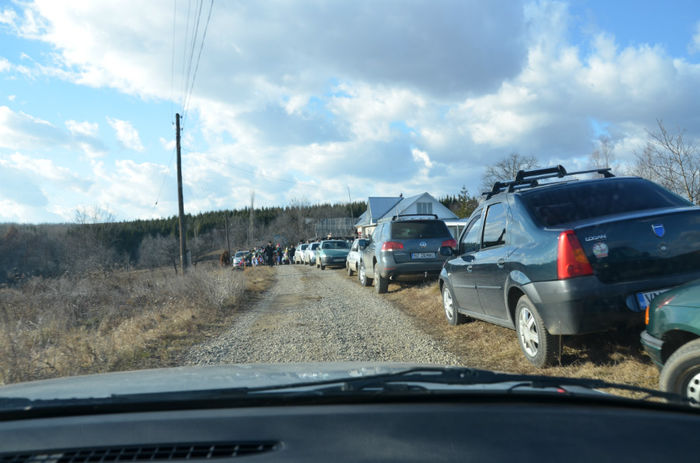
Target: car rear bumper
(333, 261)
(410, 268)
(653, 346)
(585, 305)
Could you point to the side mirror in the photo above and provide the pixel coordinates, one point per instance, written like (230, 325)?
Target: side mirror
(446, 251)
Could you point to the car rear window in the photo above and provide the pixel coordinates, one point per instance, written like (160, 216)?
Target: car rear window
(419, 229)
(335, 245)
(588, 200)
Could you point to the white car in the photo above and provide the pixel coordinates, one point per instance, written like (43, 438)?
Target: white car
(310, 253)
(299, 254)
(352, 264)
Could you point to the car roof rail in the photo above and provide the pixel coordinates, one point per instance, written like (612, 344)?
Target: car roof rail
(399, 216)
(530, 178)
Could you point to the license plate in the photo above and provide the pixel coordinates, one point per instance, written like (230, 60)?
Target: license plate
(423, 255)
(644, 299)
(339, 259)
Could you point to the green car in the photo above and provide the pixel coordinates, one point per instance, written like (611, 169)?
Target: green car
(332, 253)
(672, 339)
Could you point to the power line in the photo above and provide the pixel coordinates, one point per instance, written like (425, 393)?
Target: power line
(172, 57)
(199, 56)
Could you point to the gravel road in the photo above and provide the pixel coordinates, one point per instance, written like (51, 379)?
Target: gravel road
(311, 315)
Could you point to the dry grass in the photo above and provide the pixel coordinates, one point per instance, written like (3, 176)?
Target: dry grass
(116, 321)
(614, 356)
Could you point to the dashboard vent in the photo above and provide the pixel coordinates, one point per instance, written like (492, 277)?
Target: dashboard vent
(164, 452)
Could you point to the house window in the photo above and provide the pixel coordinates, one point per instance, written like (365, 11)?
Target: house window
(425, 208)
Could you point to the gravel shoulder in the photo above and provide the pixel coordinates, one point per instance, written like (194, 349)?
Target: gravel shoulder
(320, 316)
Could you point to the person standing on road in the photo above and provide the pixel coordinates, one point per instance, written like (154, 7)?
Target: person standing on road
(292, 251)
(270, 254)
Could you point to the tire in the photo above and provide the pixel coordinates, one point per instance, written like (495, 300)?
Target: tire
(349, 269)
(364, 280)
(381, 284)
(540, 347)
(323, 267)
(681, 372)
(451, 313)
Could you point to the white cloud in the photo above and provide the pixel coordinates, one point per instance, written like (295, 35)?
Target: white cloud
(19, 130)
(422, 156)
(4, 65)
(82, 128)
(168, 145)
(127, 135)
(11, 97)
(694, 45)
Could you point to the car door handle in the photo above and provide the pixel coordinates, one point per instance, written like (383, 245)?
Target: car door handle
(501, 262)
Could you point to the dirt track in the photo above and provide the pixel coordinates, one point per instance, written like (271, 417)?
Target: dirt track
(311, 315)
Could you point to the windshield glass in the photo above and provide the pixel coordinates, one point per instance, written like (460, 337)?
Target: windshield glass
(169, 169)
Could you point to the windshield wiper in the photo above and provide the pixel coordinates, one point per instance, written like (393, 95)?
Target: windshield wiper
(420, 380)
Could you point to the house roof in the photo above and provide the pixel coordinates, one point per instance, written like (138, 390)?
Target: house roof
(379, 207)
(438, 208)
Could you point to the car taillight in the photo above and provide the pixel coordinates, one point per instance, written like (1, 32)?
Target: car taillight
(571, 260)
(391, 246)
(449, 243)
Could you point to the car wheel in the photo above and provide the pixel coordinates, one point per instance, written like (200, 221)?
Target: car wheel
(323, 267)
(364, 281)
(349, 269)
(453, 316)
(381, 284)
(540, 347)
(681, 372)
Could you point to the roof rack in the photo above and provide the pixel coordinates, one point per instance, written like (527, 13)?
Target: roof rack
(398, 216)
(529, 178)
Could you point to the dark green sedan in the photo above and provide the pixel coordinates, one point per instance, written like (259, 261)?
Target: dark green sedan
(672, 339)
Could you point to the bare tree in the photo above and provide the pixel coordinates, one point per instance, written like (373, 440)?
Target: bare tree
(671, 161)
(603, 155)
(157, 251)
(506, 169)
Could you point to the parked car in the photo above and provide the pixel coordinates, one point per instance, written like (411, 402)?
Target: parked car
(332, 253)
(404, 245)
(299, 255)
(672, 339)
(310, 253)
(569, 257)
(241, 258)
(352, 264)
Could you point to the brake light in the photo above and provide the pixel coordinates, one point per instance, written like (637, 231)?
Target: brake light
(449, 243)
(571, 260)
(391, 246)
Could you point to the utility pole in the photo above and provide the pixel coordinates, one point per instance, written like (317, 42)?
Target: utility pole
(352, 215)
(251, 223)
(180, 202)
(228, 243)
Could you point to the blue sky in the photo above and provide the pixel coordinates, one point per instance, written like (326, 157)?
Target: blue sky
(301, 101)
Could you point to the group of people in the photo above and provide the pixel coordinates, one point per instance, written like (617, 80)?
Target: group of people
(271, 255)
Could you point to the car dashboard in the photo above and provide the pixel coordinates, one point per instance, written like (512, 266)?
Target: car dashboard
(452, 430)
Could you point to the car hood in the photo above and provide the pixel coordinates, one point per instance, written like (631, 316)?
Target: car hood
(193, 378)
(200, 378)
